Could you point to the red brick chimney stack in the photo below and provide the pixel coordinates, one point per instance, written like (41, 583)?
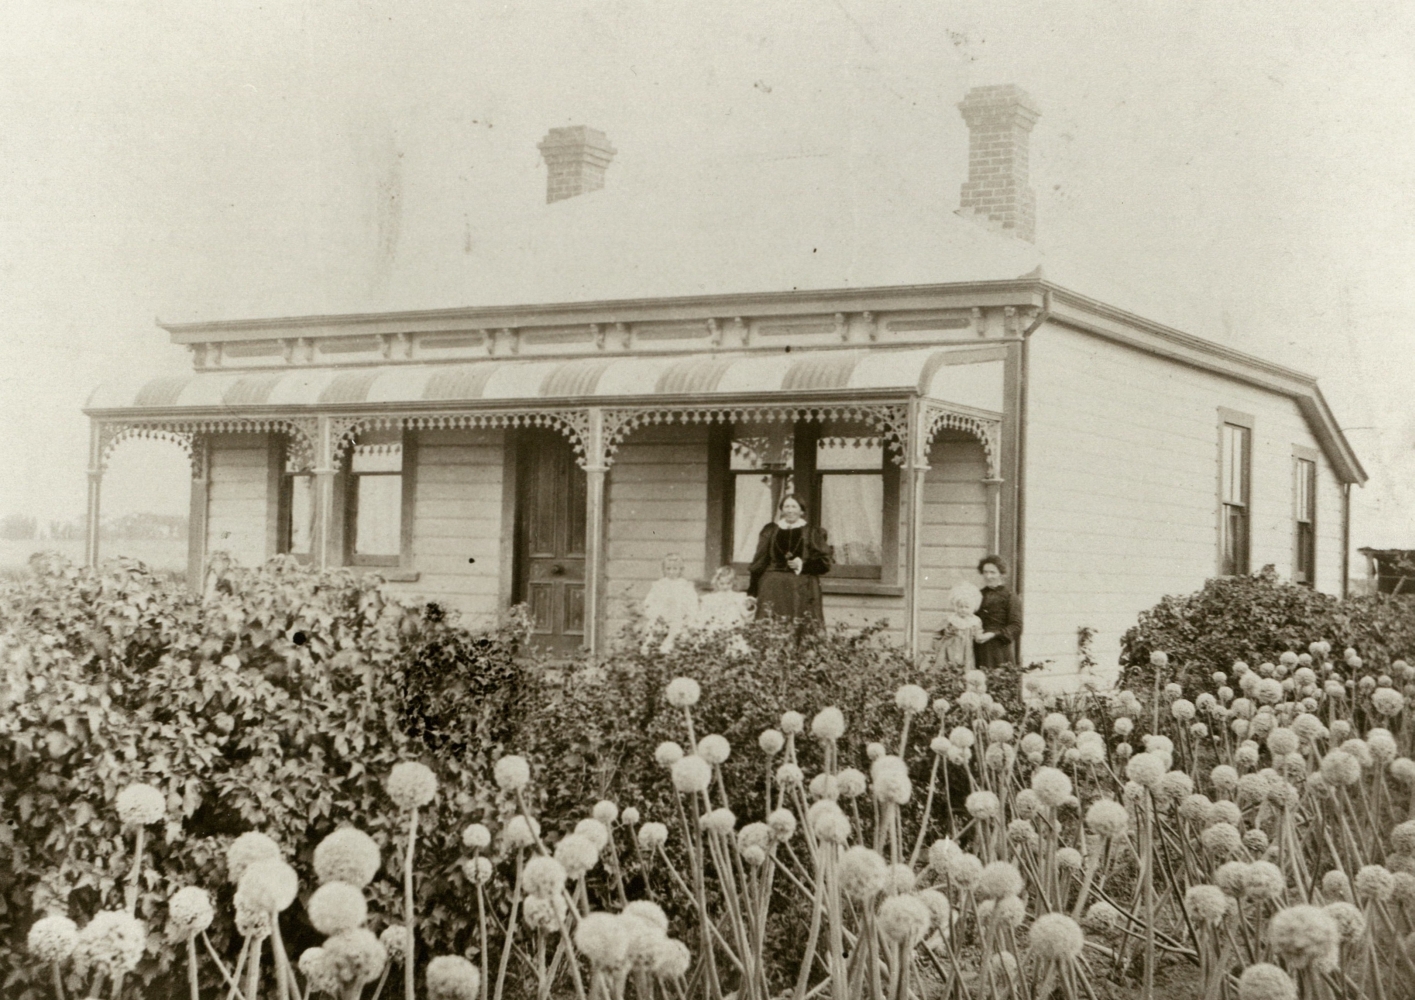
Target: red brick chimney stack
(576, 157)
(997, 193)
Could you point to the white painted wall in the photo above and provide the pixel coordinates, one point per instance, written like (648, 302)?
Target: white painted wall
(457, 517)
(657, 504)
(954, 533)
(1122, 489)
(237, 497)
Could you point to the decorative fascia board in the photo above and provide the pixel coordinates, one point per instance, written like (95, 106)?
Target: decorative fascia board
(1021, 294)
(1078, 312)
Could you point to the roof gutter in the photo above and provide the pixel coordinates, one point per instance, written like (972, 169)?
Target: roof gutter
(1020, 547)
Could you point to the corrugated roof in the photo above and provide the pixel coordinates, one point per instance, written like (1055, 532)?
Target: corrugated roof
(975, 381)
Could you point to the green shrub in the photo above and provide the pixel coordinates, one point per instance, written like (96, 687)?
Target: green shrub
(1256, 619)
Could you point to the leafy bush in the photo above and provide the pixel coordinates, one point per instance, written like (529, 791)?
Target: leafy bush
(275, 703)
(1256, 619)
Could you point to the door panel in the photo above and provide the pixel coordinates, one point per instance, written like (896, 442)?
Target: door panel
(550, 539)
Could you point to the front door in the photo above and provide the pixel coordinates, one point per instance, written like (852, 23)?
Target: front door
(550, 539)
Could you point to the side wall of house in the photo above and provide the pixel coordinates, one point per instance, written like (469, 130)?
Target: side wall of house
(238, 497)
(1122, 467)
(457, 536)
(954, 534)
(657, 503)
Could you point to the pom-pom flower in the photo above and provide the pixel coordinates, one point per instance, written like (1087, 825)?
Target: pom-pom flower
(1069, 857)
(1206, 903)
(983, 805)
(1052, 786)
(1374, 883)
(652, 836)
(789, 775)
(52, 939)
(395, 941)
(999, 879)
(863, 874)
(268, 886)
(714, 748)
(246, 850)
(189, 911)
(1350, 921)
(319, 971)
(1146, 769)
(719, 821)
(1265, 982)
(1056, 937)
(1102, 916)
(1337, 886)
(1303, 935)
(771, 741)
(683, 692)
(911, 698)
(829, 724)
(782, 823)
(605, 812)
(140, 805)
(890, 777)
(667, 753)
(1107, 818)
(512, 773)
(630, 816)
(692, 775)
(594, 831)
(1387, 701)
(578, 855)
(411, 785)
(792, 723)
(476, 837)
(603, 940)
(337, 906)
(348, 855)
(477, 870)
(904, 919)
(357, 955)
(452, 977)
(671, 959)
(112, 941)
(850, 783)
(544, 876)
(520, 831)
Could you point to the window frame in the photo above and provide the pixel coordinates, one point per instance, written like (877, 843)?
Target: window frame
(350, 492)
(1243, 561)
(722, 478)
(285, 494)
(1304, 575)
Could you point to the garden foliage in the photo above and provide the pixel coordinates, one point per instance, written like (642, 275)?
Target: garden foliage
(1256, 619)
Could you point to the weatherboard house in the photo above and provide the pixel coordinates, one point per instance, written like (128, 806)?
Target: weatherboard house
(645, 369)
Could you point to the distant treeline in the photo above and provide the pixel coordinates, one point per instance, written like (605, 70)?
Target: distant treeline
(19, 527)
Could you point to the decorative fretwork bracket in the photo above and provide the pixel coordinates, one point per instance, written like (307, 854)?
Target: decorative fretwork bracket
(934, 417)
(186, 434)
(574, 424)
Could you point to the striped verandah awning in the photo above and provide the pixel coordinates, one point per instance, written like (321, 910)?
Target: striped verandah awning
(595, 401)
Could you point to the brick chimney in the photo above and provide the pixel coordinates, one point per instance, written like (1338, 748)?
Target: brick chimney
(996, 193)
(575, 157)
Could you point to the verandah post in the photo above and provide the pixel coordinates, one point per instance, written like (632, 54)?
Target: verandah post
(596, 469)
(916, 466)
(95, 482)
(197, 512)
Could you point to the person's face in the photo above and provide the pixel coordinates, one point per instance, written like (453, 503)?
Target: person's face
(723, 581)
(791, 512)
(673, 568)
(963, 607)
(992, 576)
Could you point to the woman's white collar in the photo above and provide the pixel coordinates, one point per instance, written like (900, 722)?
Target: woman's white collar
(787, 527)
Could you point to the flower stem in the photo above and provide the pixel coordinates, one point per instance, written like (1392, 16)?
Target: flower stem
(410, 913)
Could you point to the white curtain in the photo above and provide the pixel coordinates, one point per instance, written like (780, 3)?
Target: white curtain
(852, 509)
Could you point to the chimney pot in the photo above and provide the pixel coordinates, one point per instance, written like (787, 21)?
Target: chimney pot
(997, 191)
(575, 159)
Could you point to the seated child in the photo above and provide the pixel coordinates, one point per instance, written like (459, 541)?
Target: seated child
(960, 627)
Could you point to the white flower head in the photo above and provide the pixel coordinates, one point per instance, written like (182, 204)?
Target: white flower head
(605, 812)
(337, 906)
(603, 939)
(652, 836)
(51, 939)
(594, 831)
(1304, 935)
(668, 753)
(268, 886)
(862, 873)
(692, 775)
(771, 741)
(544, 876)
(189, 911)
(714, 749)
(246, 850)
(904, 919)
(1107, 818)
(912, 699)
(1052, 786)
(411, 785)
(782, 823)
(792, 723)
(1057, 937)
(829, 724)
(452, 977)
(357, 955)
(512, 773)
(395, 941)
(477, 870)
(319, 971)
(141, 804)
(1264, 981)
(347, 855)
(476, 837)
(630, 816)
(578, 854)
(683, 692)
(113, 941)
(520, 831)
(672, 959)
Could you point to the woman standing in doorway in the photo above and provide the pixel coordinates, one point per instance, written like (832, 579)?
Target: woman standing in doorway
(791, 557)
(995, 647)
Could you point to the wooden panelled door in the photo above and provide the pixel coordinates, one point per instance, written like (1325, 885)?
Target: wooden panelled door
(550, 539)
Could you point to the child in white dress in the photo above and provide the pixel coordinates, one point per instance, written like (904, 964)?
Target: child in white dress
(671, 602)
(960, 627)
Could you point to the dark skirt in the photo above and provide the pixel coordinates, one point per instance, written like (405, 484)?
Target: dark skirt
(790, 595)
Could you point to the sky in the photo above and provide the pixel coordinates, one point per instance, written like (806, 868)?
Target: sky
(1244, 172)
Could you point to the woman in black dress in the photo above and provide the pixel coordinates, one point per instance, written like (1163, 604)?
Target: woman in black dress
(995, 648)
(791, 557)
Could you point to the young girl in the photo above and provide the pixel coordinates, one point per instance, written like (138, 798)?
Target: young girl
(960, 627)
(724, 606)
(671, 602)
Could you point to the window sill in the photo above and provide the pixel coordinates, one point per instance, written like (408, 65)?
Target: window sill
(391, 574)
(872, 588)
